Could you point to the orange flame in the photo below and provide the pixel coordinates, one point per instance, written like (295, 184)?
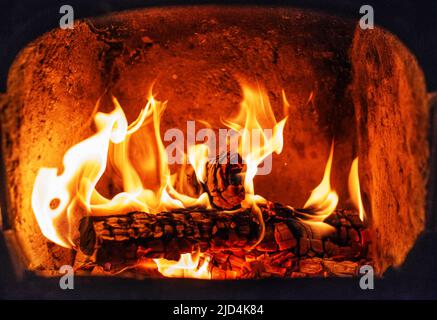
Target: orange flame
(323, 199)
(354, 189)
(188, 266)
(255, 115)
(59, 201)
(254, 146)
(198, 157)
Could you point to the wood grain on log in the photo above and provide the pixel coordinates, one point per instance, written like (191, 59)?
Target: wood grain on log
(123, 239)
(224, 181)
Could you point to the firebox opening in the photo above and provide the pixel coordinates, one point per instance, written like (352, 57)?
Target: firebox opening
(345, 154)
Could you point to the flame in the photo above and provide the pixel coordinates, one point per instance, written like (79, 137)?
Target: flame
(323, 199)
(255, 115)
(59, 201)
(198, 157)
(188, 266)
(354, 189)
(55, 196)
(256, 144)
(143, 180)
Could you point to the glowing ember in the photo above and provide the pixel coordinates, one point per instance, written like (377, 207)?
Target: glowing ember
(189, 266)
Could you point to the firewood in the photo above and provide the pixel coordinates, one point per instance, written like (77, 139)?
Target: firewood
(224, 181)
(123, 239)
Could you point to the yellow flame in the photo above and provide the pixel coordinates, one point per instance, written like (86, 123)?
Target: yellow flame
(255, 115)
(142, 176)
(198, 157)
(83, 165)
(59, 201)
(188, 266)
(354, 189)
(323, 200)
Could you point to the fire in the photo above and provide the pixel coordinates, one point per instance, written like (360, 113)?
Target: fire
(254, 146)
(61, 199)
(323, 199)
(74, 190)
(189, 266)
(354, 189)
(198, 157)
(144, 180)
(255, 115)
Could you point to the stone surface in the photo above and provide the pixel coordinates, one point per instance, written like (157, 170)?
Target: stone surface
(392, 113)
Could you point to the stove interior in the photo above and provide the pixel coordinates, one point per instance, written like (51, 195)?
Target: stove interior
(215, 143)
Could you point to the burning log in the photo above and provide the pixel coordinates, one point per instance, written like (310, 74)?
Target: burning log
(224, 181)
(125, 239)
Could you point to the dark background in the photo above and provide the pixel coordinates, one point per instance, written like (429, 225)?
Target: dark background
(413, 21)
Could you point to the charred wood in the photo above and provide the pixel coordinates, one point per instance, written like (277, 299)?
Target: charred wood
(124, 239)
